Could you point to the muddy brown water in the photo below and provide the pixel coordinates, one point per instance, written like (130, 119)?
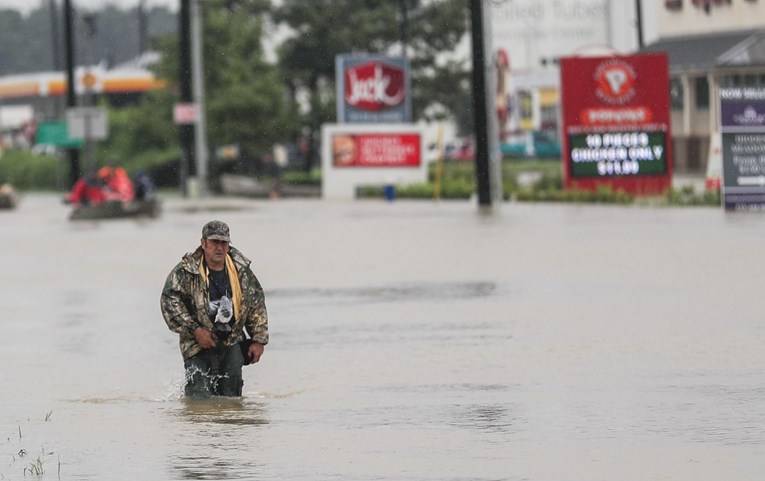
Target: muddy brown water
(410, 341)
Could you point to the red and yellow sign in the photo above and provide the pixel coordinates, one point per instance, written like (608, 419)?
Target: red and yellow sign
(376, 150)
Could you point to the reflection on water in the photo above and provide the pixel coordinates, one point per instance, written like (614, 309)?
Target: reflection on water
(222, 410)
(399, 292)
(490, 418)
(221, 439)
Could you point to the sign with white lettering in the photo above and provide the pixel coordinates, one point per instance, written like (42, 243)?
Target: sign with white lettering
(378, 149)
(616, 124)
(617, 153)
(742, 123)
(372, 89)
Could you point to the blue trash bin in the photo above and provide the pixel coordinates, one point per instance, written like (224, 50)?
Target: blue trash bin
(390, 192)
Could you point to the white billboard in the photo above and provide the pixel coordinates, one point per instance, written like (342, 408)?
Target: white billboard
(355, 155)
(534, 33)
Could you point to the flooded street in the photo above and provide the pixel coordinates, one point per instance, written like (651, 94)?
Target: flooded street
(409, 341)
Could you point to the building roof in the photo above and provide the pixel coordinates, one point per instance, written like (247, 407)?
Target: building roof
(44, 84)
(712, 51)
(129, 77)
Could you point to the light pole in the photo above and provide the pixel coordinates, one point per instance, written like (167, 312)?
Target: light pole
(479, 105)
(186, 132)
(71, 99)
(89, 82)
(639, 23)
(200, 132)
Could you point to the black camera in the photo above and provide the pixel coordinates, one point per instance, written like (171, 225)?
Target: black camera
(223, 317)
(222, 329)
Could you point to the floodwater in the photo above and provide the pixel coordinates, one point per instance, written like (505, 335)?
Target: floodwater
(409, 341)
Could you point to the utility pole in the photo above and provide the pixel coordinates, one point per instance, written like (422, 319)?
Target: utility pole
(639, 15)
(71, 99)
(186, 131)
(404, 27)
(142, 28)
(55, 39)
(89, 98)
(479, 105)
(200, 132)
(55, 51)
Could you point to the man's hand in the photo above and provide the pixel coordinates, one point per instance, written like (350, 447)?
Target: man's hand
(255, 351)
(205, 338)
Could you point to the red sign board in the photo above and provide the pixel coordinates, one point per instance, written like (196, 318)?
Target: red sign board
(373, 89)
(376, 150)
(374, 86)
(616, 123)
(185, 113)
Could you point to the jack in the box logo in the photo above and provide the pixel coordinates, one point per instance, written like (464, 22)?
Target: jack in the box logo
(374, 86)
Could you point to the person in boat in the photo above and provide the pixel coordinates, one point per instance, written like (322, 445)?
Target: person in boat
(107, 184)
(211, 299)
(117, 184)
(144, 186)
(88, 190)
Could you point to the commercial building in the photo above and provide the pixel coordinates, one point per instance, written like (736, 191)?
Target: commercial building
(711, 44)
(530, 36)
(38, 97)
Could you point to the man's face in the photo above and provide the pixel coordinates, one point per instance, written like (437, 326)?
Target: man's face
(215, 251)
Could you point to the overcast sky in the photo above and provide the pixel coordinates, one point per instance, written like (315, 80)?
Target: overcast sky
(25, 6)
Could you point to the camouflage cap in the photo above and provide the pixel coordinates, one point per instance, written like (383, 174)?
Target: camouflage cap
(216, 229)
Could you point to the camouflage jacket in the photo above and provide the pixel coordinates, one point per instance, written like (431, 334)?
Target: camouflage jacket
(184, 303)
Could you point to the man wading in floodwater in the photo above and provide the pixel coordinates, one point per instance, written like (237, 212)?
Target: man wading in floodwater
(209, 299)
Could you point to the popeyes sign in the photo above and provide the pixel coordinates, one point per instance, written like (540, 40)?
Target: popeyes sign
(372, 89)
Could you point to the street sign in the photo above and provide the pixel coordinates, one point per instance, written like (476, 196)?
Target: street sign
(55, 133)
(87, 123)
(742, 123)
(185, 113)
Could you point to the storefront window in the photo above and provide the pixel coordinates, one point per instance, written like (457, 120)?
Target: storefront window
(702, 93)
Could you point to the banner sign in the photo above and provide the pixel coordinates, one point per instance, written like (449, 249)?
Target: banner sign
(742, 123)
(56, 134)
(376, 150)
(372, 89)
(616, 123)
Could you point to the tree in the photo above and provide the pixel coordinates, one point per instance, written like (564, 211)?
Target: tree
(26, 43)
(143, 137)
(323, 29)
(244, 94)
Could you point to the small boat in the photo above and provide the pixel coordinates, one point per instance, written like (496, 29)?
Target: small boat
(116, 210)
(8, 197)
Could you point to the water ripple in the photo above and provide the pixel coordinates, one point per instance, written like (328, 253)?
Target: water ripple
(401, 292)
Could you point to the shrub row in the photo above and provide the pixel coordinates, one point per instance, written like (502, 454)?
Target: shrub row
(455, 180)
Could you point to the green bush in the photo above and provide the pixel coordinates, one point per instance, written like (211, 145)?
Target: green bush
(687, 196)
(299, 177)
(27, 171)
